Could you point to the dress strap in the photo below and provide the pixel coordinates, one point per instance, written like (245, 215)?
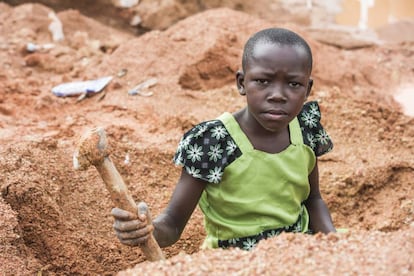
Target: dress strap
(295, 132)
(236, 132)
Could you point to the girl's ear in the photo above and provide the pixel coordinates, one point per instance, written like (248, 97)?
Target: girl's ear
(310, 84)
(240, 82)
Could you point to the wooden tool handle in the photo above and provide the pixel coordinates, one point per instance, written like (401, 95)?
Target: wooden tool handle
(123, 199)
(152, 250)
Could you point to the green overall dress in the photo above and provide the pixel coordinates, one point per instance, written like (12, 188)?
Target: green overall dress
(259, 191)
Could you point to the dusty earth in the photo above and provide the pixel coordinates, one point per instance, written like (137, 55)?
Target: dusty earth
(56, 221)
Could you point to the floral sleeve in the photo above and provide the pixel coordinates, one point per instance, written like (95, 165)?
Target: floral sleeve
(205, 150)
(314, 135)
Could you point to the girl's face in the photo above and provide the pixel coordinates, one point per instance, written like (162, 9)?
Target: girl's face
(276, 82)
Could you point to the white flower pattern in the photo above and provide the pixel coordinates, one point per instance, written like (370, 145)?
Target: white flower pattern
(234, 240)
(201, 129)
(193, 172)
(249, 244)
(194, 152)
(273, 233)
(312, 140)
(215, 174)
(309, 119)
(215, 152)
(323, 137)
(314, 109)
(219, 132)
(231, 147)
(185, 141)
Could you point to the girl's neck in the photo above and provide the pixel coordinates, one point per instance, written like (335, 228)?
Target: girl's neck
(261, 138)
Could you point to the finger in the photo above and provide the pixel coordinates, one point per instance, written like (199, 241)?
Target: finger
(142, 208)
(135, 242)
(127, 226)
(121, 214)
(135, 234)
(143, 218)
(134, 238)
(143, 213)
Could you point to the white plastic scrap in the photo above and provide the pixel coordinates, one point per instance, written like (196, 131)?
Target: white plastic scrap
(81, 87)
(55, 27)
(125, 3)
(126, 160)
(32, 47)
(363, 15)
(144, 85)
(136, 20)
(122, 73)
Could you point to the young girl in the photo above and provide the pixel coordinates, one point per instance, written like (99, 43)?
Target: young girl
(254, 173)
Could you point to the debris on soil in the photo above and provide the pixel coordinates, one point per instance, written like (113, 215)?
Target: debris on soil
(139, 89)
(81, 87)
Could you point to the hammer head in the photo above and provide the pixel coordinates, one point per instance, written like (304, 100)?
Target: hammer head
(92, 149)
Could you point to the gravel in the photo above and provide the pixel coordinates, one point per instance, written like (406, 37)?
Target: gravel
(352, 253)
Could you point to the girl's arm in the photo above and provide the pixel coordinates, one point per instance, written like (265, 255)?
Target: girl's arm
(169, 225)
(319, 217)
(171, 222)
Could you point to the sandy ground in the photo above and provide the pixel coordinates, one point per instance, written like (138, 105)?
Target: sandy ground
(56, 220)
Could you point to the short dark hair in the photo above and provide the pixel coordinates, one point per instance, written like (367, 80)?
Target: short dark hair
(277, 36)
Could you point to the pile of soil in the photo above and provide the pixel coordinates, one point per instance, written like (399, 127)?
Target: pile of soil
(356, 253)
(56, 220)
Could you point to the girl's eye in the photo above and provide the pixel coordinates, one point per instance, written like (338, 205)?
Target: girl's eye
(294, 84)
(262, 81)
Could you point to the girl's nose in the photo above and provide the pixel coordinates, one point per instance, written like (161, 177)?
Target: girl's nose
(276, 93)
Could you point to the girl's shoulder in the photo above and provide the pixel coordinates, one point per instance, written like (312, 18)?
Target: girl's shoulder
(205, 150)
(314, 134)
(206, 133)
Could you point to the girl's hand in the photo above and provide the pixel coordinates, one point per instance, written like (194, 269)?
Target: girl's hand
(131, 229)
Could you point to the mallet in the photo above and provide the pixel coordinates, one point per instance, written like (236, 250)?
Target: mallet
(93, 150)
